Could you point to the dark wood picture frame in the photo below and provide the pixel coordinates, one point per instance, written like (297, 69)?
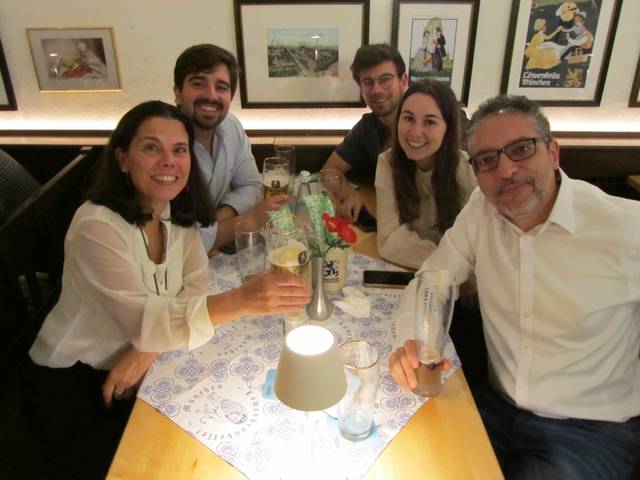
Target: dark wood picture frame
(11, 103)
(461, 90)
(519, 36)
(253, 75)
(634, 98)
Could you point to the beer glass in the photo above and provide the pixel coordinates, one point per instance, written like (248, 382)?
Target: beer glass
(355, 410)
(276, 176)
(436, 293)
(288, 152)
(289, 253)
(251, 248)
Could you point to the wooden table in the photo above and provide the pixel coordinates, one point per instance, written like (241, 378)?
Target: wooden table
(445, 439)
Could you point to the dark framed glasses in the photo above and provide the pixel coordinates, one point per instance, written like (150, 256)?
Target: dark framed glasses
(516, 151)
(383, 80)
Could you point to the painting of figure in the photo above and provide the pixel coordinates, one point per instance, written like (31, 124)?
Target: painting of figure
(432, 47)
(561, 36)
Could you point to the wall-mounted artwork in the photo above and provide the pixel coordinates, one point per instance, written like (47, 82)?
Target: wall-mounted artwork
(7, 97)
(558, 50)
(436, 40)
(634, 99)
(80, 59)
(298, 53)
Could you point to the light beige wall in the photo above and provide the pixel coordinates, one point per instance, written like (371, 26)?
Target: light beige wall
(149, 34)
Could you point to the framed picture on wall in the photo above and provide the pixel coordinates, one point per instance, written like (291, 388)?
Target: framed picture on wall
(558, 50)
(79, 59)
(436, 40)
(298, 53)
(7, 97)
(634, 99)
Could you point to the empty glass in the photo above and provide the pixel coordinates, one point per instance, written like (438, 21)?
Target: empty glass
(355, 410)
(436, 293)
(251, 248)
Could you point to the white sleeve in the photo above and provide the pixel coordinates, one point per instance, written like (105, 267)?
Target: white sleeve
(101, 257)
(396, 242)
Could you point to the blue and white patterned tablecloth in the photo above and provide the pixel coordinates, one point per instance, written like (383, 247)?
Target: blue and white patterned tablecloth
(217, 392)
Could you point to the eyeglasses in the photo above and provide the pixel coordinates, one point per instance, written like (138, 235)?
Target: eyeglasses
(383, 80)
(516, 151)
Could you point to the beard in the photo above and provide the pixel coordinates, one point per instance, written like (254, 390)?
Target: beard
(211, 121)
(514, 207)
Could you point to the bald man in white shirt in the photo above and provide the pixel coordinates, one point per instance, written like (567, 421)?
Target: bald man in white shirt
(557, 263)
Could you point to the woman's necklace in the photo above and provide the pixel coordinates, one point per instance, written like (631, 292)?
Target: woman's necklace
(155, 279)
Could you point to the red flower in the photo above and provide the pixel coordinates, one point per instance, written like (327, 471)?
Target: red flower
(334, 224)
(347, 234)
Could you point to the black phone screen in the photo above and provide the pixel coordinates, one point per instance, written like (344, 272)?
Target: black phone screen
(366, 221)
(381, 278)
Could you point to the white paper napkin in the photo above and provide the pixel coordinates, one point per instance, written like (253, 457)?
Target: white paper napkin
(355, 302)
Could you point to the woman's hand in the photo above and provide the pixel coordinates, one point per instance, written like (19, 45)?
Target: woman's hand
(126, 375)
(273, 293)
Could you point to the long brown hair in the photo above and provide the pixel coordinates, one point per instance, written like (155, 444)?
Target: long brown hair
(446, 190)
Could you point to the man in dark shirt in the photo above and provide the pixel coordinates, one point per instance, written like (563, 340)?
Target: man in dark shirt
(381, 75)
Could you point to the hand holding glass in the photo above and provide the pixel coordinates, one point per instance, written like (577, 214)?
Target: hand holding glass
(289, 253)
(436, 293)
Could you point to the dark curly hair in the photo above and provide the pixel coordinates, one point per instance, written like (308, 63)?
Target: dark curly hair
(447, 195)
(113, 188)
(369, 56)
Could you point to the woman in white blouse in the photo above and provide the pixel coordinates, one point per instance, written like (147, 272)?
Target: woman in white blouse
(134, 283)
(424, 180)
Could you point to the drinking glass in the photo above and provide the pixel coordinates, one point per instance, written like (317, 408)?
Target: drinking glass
(276, 176)
(355, 410)
(436, 293)
(288, 152)
(251, 247)
(330, 183)
(289, 253)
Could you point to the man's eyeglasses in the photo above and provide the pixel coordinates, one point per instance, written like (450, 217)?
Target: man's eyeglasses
(385, 80)
(516, 151)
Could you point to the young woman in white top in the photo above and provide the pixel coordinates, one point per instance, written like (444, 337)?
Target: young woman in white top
(134, 283)
(424, 180)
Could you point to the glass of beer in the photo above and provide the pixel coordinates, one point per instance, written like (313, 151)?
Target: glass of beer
(289, 254)
(251, 248)
(276, 176)
(436, 293)
(288, 152)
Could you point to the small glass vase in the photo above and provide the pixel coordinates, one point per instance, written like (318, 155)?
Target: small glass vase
(320, 307)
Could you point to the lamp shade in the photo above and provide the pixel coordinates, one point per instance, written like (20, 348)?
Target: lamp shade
(310, 374)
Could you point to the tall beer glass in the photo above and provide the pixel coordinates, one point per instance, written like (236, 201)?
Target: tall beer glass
(288, 152)
(436, 293)
(289, 253)
(276, 176)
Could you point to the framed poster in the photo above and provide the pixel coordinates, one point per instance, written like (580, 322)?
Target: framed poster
(558, 50)
(298, 53)
(634, 99)
(7, 97)
(80, 59)
(436, 40)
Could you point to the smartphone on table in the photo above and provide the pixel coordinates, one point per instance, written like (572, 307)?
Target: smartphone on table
(366, 221)
(386, 279)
